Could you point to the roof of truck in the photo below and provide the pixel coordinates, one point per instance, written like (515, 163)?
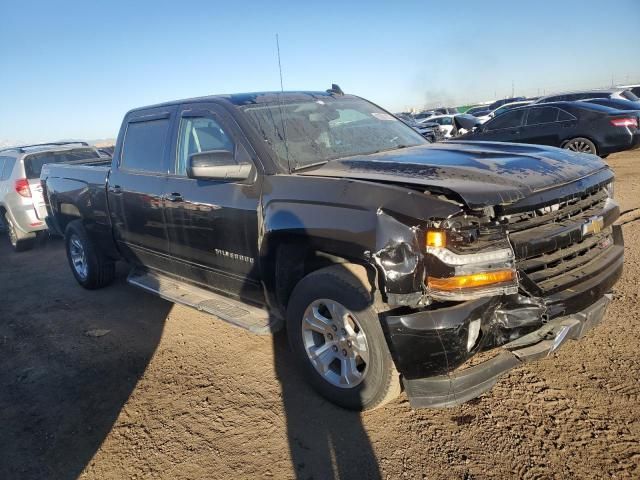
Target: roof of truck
(240, 99)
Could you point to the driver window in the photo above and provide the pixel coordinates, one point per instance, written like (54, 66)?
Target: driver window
(200, 134)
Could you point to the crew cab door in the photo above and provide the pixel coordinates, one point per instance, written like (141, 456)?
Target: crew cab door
(213, 224)
(136, 186)
(503, 128)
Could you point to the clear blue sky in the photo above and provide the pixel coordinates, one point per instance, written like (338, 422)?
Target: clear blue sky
(72, 69)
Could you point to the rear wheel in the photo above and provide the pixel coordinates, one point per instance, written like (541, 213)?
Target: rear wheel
(91, 269)
(582, 145)
(20, 241)
(335, 333)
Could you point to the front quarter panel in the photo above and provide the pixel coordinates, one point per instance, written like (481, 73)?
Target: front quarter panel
(369, 223)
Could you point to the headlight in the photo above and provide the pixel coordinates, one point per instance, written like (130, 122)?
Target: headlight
(466, 275)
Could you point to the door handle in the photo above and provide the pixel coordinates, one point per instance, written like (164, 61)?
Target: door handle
(173, 197)
(115, 189)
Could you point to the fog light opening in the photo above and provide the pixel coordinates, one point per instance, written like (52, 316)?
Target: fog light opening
(474, 332)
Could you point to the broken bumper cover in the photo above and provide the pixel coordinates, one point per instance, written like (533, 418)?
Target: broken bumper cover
(464, 385)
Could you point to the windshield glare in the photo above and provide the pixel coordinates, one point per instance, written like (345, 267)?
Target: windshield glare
(303, 133)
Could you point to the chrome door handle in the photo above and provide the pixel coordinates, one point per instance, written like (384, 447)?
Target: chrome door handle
(173, 197)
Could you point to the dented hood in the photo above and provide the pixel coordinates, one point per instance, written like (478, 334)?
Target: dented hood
(481, 173)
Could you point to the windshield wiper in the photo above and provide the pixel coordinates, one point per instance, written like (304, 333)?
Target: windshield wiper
(309, 165)
(397, 147)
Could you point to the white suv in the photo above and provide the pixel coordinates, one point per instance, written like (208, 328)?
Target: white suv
(22, 207)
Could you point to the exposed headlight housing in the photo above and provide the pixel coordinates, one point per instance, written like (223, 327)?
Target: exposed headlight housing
(464, 273)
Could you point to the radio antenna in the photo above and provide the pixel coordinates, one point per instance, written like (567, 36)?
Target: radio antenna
(279, 64)
(282, 120)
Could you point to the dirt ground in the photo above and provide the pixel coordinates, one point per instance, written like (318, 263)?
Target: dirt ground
(117, 383)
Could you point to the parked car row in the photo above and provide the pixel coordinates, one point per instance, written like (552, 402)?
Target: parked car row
(579, 126)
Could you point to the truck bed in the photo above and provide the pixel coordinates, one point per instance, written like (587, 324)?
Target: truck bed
(78, 191)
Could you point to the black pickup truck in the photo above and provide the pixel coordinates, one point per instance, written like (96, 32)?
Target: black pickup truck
(390, 261)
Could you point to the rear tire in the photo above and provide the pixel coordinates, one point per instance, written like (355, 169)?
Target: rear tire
(352, 370)
(581, 145)
(20, 241)
(89, 266)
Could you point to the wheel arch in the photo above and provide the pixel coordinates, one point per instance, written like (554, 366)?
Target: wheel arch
(291, 257)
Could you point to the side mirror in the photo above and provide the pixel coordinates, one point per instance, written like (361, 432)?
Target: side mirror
(216, 165)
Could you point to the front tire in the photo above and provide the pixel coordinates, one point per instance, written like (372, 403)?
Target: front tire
(91, 269)
(581, 145)
(20, 241)
(335, 334)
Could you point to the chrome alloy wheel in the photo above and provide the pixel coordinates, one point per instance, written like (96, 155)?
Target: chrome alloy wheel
(78, 258)
(335, 343)
(579, 146)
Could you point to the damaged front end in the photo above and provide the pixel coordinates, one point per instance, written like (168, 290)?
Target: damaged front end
(478, 280)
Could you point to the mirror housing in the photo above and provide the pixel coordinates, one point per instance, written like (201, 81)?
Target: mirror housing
(216, 165)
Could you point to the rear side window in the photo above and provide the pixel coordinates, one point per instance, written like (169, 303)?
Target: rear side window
(144, 145)
(506, 120)
(34, 162)
(541, 115)
(563, 116)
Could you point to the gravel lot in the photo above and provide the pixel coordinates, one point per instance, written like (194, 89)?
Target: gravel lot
(119, 384)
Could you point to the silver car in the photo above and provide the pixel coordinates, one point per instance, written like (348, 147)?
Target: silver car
(22, 208)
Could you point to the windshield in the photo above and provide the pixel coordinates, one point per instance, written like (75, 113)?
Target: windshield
(308, 132)
(33, 163)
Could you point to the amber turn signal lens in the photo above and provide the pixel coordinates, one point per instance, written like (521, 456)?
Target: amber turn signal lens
(436, 239)
(474, 280)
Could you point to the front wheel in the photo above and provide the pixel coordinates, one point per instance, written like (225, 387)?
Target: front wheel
(582, 145)
(90, 268)
(335, 334)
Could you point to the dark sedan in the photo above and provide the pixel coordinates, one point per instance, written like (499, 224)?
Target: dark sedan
(577, 126)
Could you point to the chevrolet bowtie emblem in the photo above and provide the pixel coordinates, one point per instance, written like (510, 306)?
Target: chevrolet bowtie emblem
(593, 225)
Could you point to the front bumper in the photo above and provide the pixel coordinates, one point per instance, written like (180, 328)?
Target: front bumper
(463, 385)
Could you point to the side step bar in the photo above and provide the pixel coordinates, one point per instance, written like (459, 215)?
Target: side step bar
(254, 319)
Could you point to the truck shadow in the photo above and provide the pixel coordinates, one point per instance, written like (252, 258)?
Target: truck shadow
(65, 376)
(72, 358)
(325, 441)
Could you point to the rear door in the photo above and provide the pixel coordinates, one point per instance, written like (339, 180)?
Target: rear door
(213, 224)
(504, 128)
(136, 186)
(542, 126)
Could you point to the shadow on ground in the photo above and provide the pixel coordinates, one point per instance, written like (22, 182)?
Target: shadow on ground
(325, 441)
(62, 389)
(71, 359)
